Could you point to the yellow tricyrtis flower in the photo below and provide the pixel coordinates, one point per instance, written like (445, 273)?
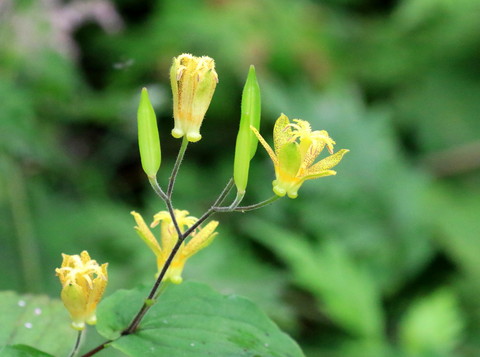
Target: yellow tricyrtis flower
(296, 148)
(193, 80)
(200, 239)
(83, 283)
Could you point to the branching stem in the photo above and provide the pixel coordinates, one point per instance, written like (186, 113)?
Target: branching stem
(167, 198)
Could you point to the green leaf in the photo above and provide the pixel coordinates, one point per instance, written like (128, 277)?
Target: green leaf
(22, 351)
(193, 320)
(455, 212)
(37, 321)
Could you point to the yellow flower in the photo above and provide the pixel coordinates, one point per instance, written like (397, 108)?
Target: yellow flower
(294, 159)
(193, 81)
(83, 283)
(200, 239)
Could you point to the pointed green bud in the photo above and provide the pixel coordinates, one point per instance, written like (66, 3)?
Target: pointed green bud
(246, 140)
(148, 139)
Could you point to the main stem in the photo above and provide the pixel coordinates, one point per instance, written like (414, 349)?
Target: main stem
(153, 292)
(181, 237)
(166, 197)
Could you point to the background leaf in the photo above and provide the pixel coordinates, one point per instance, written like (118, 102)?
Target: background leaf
(343, 289)
(35, 321)
(432, 326)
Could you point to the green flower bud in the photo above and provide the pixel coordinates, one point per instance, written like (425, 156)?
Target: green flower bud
(246, 140)
(148, 139)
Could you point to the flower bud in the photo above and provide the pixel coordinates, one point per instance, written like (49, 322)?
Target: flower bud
(193, 80)
(246, 140)
(148, 139)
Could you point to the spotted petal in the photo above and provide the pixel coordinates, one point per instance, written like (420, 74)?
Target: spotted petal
(265, 145)
(326, 163)
(282, 132)
(201, 240)
(145, 233)
(320, 174)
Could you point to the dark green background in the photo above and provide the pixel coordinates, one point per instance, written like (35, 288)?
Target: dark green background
(381, 260)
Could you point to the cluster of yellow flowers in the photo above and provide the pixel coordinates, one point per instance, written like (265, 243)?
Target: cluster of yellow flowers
(193, 81)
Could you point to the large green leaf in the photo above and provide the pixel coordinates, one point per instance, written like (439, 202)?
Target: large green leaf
(35, 321)
(193, 320)
(22, 351)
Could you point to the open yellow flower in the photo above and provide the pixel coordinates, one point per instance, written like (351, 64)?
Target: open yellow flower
(296, 149)
(193, 80)
(83, 283)
(200, 239)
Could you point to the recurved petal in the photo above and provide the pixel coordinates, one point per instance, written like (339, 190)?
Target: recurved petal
(85, 257)
(265, 145)
(282, 132)
(169, 237)
(326, 163)
(95, 295)
(160, 216)
(201, 240)
(310, 149)
(68, 261)
(320, 174)
(145, 233)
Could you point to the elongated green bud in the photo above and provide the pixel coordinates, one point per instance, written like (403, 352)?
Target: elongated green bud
(246, 140)
(148, 139)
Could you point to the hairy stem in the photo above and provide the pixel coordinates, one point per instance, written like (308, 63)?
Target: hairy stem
(176, 167)
(247, 208)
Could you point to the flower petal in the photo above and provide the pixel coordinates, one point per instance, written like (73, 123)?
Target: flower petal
(326, 163)
(289, 158)
(145, 233)
(266, 146)
(282, 132)
(320, 174)
(201, 240)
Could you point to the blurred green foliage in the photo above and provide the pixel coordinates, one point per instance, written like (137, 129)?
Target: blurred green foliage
(381, 260)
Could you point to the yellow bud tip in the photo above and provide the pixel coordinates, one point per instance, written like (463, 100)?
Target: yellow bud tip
(292, 194)
(79, 326)
(193, 137)
(279, 191)
(177, 133)
(92, 320)
(176, 279)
